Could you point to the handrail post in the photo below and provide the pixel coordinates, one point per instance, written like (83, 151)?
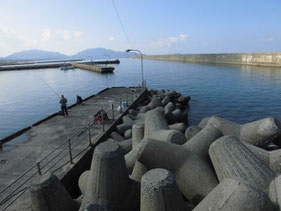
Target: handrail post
(89, 128)
(102, 123)
(112, 107)
(70, 154)
(120, 106)
(39, 168)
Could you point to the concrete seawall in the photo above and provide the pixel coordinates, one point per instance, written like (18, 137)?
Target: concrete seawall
(259, 59)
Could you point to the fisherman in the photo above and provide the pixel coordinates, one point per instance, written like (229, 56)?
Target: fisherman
(79, 100)
(63, 102)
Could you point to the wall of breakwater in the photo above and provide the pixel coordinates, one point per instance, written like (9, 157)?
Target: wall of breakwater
(259, 59)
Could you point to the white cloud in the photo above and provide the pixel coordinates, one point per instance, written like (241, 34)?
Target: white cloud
(13, 40)
(46, 34)
(167, 42)
(77, 34)
(183, 36)
(269, 39)
(159, 43)
(63, 33)
(111, 38)
(173, 39)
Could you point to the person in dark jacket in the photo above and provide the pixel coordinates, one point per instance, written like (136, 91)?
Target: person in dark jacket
(63, 102)
(79, 100)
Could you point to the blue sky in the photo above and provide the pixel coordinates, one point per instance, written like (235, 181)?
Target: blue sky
(154, 27)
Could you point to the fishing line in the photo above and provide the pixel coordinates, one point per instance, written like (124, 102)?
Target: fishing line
(120, 21)
(48, 85)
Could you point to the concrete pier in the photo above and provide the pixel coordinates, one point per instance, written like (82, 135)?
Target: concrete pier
(41, 65)
(94, 68)
(23, 152)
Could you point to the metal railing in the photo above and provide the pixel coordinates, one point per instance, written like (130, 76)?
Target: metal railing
(20, 185)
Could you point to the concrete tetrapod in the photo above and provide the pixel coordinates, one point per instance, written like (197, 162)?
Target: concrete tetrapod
(94, 207)
(160, 192)
(275, 191)
(138, 171)
(256, 133)
(232, 159)
(108, 183)
(82, 181)
(133, 155)
(156, 127)
(50, 195)
(271, 158)
(154, 103)
(117, 137)
(191, 131)
(190, 162)
(123, 127)
(178, 126)
(126, 145)
(235, 195)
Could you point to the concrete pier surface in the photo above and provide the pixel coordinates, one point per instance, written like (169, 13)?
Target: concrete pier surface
(21, 154)
(94, 68)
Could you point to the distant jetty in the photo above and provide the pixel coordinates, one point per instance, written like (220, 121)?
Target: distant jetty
(38, 65)
(94, 68)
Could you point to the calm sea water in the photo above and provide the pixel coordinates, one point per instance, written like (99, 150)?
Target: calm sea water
(237, 93)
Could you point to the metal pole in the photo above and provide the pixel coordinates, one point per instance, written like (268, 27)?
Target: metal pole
(112, 111)
(142, 83)
(127, 99)
(39, 168)
(120, 106)
(90, 141)
(102, 123)
(70, 154)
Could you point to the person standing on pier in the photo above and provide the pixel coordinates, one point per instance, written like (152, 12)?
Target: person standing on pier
(63, 102)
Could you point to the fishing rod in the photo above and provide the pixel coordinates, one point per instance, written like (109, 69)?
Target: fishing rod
(48, 86)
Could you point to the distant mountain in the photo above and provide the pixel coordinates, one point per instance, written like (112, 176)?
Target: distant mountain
(36, 55)
(101, 53)
(93, 54)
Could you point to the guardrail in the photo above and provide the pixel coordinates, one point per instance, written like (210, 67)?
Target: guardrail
(20, 185)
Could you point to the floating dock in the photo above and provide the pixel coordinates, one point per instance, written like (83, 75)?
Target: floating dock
(94, 68)
(57, 145)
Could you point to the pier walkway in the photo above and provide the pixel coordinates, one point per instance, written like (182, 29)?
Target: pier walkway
(46, 147)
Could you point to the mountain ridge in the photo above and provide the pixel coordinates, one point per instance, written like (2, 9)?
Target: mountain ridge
(91, 53)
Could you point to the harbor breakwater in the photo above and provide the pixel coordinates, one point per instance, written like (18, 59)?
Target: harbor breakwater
(152, 154)
(259, 59)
